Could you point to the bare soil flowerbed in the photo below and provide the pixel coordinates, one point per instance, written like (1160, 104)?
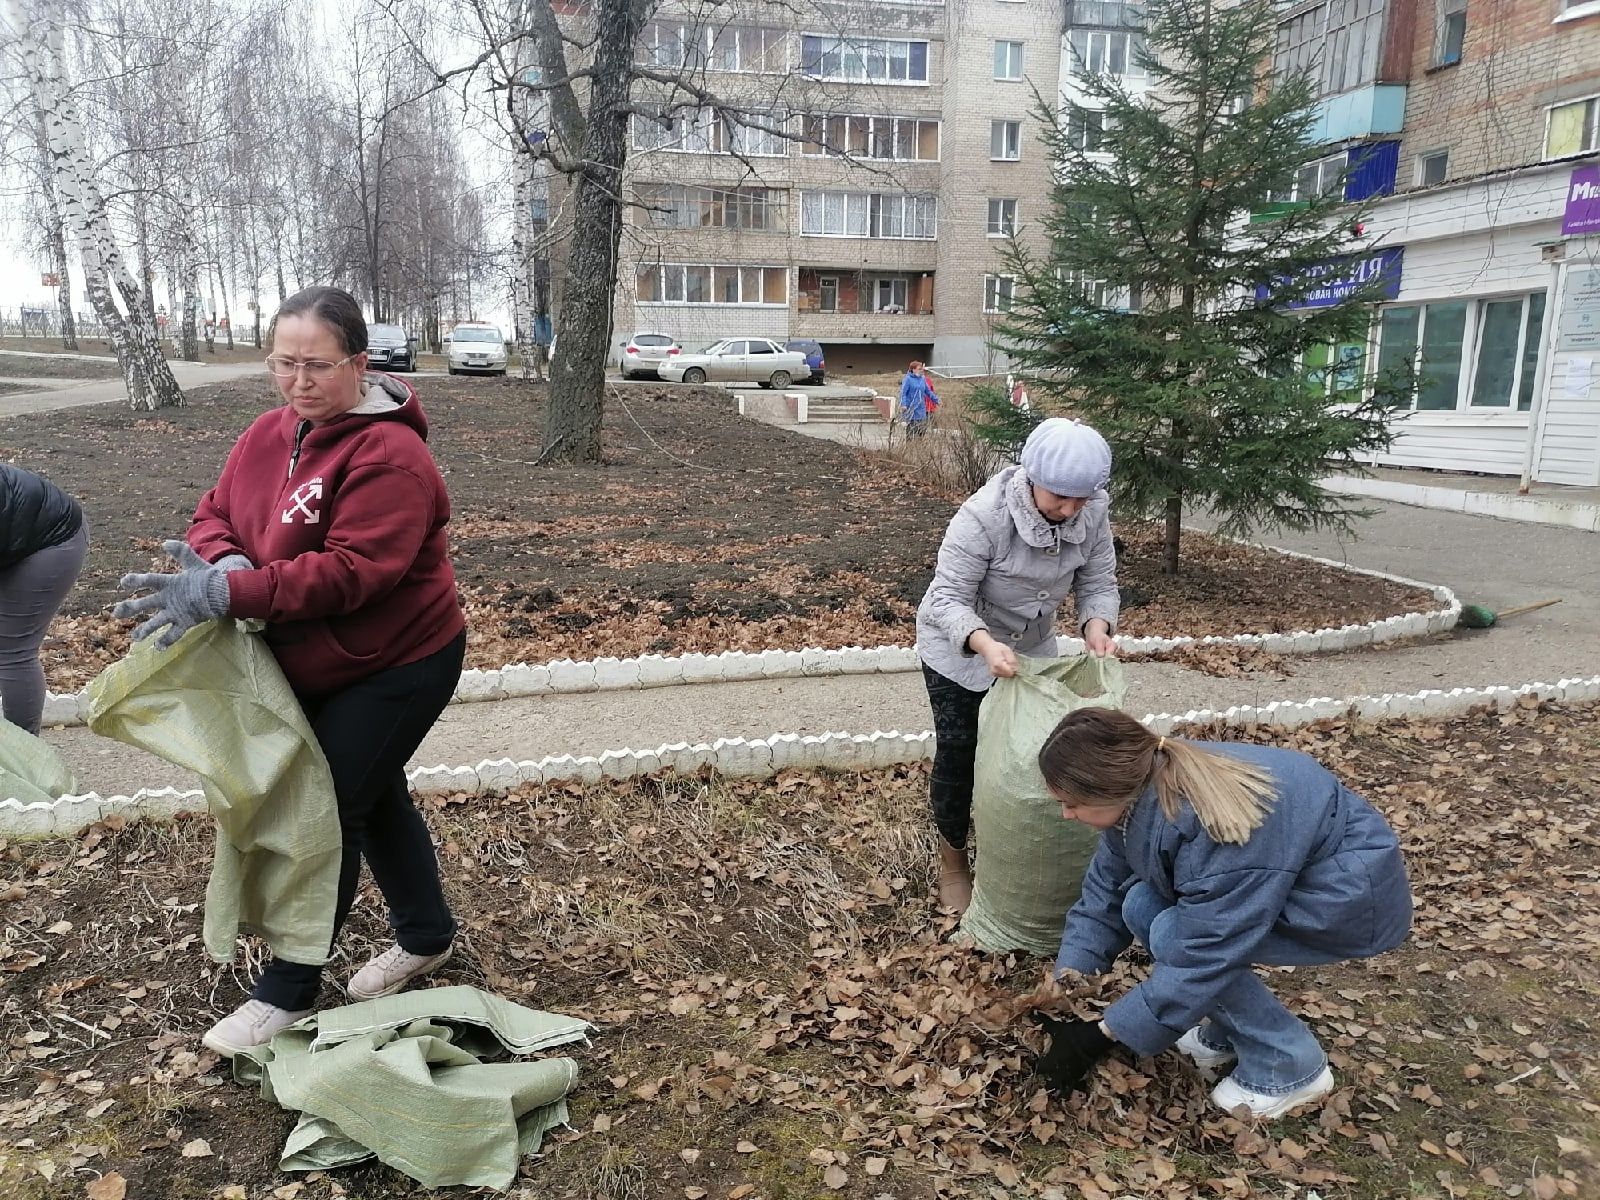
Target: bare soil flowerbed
(701, 532)
(779, 1017)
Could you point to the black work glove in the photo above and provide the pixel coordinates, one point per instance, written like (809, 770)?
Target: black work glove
(1075, 1047)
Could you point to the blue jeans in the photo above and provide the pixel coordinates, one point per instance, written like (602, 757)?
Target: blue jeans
(1277, 1053)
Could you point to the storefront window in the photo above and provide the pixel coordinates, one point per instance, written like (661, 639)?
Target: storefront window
(1444, 333)
(1491, 345)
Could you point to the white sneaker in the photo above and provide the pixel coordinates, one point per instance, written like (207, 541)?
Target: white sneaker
(1229, 1095)
(254, 1023)
(1209, 1061)
(392, 970)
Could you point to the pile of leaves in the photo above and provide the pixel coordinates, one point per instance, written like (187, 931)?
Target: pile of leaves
(781, 1015)
(701, 532)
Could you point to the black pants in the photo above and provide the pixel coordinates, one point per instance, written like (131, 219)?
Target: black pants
(368, 732)
(955, 730)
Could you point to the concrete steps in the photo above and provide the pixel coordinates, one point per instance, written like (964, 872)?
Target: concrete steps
(842, 410)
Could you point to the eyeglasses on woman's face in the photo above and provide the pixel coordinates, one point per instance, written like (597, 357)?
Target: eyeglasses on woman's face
(285, 367)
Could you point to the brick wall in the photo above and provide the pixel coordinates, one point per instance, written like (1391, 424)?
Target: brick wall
(1489, 109)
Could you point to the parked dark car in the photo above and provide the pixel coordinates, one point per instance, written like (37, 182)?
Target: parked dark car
(813, 352)
(390, 348)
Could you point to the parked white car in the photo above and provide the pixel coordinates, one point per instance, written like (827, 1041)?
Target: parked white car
(644, 352)
(738, 360)
(472, 346)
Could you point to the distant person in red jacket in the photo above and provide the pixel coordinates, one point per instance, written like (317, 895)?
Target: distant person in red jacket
(329, 523)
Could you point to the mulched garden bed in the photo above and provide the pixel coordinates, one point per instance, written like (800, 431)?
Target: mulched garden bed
(702, 531)
(779, 1017)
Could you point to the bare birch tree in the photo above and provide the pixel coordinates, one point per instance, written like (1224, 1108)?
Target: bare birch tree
(34, 28)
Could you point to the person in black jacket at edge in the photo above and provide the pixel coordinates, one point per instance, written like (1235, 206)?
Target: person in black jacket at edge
(43, 540)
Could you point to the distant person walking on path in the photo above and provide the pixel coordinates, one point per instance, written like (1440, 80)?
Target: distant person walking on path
(43, 540)
(329, 523)
(1016, 549)
(1216, 856)
(917, 400)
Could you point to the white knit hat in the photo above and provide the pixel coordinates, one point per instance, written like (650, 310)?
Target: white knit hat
(1067, 457)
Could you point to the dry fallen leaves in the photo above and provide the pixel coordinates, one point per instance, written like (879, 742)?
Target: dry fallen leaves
(109, 1186)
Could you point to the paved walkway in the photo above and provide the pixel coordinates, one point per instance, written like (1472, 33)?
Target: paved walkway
(49, 394)
(1493, 562)
(1478, 495)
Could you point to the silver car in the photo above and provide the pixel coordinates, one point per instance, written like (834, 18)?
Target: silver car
(644, 352)
(738, 360)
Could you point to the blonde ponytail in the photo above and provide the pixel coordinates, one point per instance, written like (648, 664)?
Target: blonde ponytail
(1230, 798)
(1101, 757)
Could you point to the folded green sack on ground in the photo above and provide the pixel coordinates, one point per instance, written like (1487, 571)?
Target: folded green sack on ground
(1030, 860)
(401, 1079)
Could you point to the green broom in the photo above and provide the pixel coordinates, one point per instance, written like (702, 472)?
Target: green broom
(1478, 616)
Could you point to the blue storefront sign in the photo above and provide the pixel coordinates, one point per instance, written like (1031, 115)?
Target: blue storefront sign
(1336, 279)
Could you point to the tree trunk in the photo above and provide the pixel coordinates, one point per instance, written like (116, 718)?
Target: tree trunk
(523, 251)
(577, 379)
(106, 275)
(1172, 538)
(55, 234)
(191, 299)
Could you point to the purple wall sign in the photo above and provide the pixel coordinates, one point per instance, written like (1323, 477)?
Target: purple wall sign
(1582, 214)
(1337, 278)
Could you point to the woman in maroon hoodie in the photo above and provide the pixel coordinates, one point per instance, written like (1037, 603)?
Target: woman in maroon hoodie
(329, 523)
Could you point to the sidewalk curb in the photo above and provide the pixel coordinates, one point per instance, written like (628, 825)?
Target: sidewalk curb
(1539, 510)
(764, 757)
(567, 676)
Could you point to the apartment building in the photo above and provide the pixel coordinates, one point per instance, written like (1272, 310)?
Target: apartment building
(856, 182)
(1473, 128)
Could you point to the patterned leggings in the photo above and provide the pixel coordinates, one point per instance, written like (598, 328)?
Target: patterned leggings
(955, 729)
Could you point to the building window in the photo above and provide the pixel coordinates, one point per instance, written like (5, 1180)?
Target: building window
(828, 293)
(1005, 140)
(1451, 36)
(868, 215)
(1433, 168)
(1107, 52)
(743, 48)
(900, 139)
(890, 295)
(1316, 178)
(1002, 218)
(1465, 353)
(864, 60)
(997, 293)
(1107, 14)
(1574, 128)
(1008, 60)
(707, 131)
(1086, 129)
(1336, 43)
(694, 283)
(673, 206)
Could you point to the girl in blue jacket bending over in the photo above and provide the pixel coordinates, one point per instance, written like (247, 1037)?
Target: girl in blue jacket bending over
(1217, 857)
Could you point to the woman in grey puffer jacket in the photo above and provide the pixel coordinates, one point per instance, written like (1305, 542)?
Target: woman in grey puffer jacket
(1013, 552)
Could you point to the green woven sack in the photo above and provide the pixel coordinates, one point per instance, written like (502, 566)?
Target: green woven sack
(31, 772)
(1030, 861)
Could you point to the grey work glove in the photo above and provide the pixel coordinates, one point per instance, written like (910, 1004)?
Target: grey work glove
(234, 562)
(199, 592)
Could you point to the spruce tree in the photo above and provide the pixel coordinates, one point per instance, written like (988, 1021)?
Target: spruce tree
(1216, 390)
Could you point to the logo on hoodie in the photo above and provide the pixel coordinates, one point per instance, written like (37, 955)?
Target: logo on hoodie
(301, 504)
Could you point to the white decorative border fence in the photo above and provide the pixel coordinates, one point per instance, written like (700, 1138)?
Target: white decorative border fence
(568, 676)
(740, 757)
